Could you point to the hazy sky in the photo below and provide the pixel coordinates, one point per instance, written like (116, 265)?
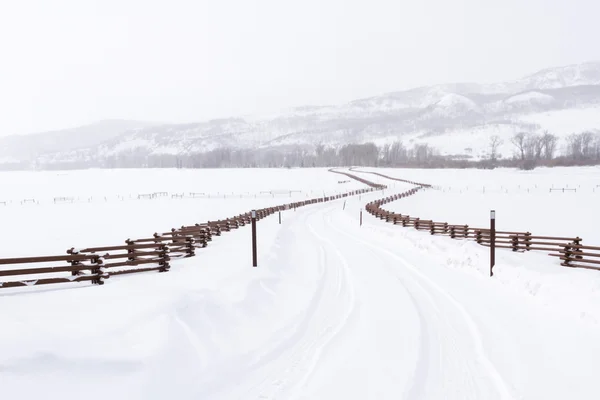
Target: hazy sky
(70, 62)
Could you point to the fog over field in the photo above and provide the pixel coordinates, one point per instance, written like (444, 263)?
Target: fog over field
(326, 199)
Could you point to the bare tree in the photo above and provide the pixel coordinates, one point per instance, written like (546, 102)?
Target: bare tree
(519, 140)
(533, 147)
(398, 152)
(366, 154)
(574, 147)
(319, 155)
(495, 142)
(538, 147)
(549, 145)
(385, 154)
(587, 139)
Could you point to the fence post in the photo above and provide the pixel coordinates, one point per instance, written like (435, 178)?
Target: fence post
(361, 217)
(577, 242)
(279, 217)
(568, 254)
(254, 258)
(514, 242)
(492, 241)
(163, 258)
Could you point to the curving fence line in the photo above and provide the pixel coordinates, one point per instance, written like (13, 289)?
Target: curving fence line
(424, 185)
(568, 249)
(96, 264)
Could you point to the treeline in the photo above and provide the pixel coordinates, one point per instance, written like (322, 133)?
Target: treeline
(529, 151)
(532, 150)
(367, 154)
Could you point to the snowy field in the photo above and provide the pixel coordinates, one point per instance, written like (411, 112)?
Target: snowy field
(101, 207)
(334, 310)
(475, 141)
(523, 200)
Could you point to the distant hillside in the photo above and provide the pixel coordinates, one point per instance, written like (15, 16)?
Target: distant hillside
(457, 119)
(29, 147)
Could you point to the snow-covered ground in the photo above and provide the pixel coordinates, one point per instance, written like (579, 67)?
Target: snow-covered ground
(475, 141)
(106, 209)
(522, 199)
(566, 122)
(334, 310)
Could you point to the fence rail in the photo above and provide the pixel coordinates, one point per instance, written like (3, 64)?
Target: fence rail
(568, 249)
(97, 264)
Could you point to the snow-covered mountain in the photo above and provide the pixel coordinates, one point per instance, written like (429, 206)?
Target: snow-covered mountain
(29, 147)
(452, 117)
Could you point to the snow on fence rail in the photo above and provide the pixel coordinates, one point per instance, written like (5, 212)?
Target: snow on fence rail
(96, 264)
(569, 250)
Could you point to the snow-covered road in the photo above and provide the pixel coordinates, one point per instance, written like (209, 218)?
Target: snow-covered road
(334, 310)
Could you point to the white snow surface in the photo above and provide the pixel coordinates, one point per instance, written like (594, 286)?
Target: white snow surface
(525, 201)
(566, 122)
(101, 207)
(530, 97)
(334, 310)
(475, 141)
(453, 103)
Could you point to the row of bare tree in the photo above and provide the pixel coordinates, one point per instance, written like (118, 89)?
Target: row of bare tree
(532, 149)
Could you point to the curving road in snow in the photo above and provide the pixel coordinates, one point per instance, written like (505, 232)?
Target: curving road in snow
(334, 310)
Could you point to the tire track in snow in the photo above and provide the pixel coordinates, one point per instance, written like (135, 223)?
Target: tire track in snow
(305, 357)
(350, 309)
(274, 380)
(418, 278)
(278, 371)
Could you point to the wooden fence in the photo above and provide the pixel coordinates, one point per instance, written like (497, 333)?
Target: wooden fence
(568, 249)
(96, 264)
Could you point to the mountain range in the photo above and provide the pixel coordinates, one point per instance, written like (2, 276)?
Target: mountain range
(457, 119)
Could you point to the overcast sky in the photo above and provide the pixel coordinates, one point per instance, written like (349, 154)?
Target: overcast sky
(69, 62)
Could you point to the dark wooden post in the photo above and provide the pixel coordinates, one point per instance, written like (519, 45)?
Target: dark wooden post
(279, 217)
(254, 258)
(568, 254)
(577, 243)
(361, 217)
(514, 240)
(492, 241)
